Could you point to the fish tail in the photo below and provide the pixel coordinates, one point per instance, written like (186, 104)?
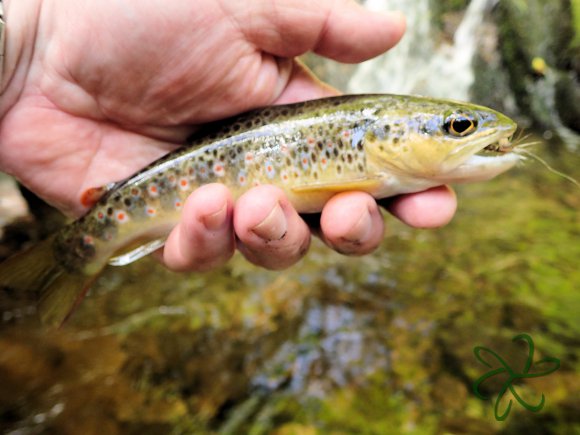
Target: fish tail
(35, 279)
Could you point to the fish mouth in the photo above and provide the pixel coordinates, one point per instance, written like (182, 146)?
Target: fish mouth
(502, 146)
(493, 156)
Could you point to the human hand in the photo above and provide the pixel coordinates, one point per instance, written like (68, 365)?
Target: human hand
(96, 90)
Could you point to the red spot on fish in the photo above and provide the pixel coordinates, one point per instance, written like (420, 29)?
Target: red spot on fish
(323, 161)
(346, 133)
(183, 183)
(88, 240)
(122, 217)
(135, 192)
(218, 170)
(150, 211)
(310, 140)
(100, 216)
(153, 190)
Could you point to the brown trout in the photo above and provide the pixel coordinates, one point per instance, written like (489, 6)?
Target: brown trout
(381, 144)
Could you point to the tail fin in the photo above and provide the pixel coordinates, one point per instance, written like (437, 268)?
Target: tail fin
(34, 277)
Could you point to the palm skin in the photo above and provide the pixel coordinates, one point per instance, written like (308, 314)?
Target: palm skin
(94, 91)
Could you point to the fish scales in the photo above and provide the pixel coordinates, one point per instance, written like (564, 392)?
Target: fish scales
(382, 144)
(285, 146)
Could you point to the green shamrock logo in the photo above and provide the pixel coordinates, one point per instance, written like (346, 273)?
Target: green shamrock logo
(513, 376)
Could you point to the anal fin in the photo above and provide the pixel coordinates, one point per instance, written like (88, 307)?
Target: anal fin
(137, 253)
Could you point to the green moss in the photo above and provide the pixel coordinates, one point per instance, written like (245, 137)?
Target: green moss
(575, 6)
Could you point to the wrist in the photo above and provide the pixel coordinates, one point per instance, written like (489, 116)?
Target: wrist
(21, 18)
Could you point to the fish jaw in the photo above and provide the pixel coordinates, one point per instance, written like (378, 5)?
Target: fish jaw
(480, 168)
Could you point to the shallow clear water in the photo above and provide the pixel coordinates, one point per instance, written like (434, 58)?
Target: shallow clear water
(378, 344)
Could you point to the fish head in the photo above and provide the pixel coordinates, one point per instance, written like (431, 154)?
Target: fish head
(441, 140)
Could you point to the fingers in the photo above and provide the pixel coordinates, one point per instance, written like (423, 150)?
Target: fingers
(341, 30)
(351, 223)
(271, 234)
(429, 209)
(204, 238)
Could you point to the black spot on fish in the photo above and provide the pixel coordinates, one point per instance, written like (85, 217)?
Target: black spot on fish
(320, 145)
(215, 152)
(359, 146)
(313, 157)
(338, 169)
(335, 152)
(127, 201)
(288, 161)
(237, 127)
(349, 157)
(110, 211)
(395, 140)
(361, 167)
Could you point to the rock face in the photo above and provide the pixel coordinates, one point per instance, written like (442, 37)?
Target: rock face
(543, 63)
(520, 57)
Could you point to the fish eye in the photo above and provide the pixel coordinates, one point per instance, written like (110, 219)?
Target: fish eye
(460, 124)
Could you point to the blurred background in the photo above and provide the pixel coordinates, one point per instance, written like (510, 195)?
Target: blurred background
(376, 345)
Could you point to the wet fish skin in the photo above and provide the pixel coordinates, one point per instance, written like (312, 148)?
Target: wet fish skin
(381, 144)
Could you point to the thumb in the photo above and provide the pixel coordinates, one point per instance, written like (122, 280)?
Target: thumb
(341, 30)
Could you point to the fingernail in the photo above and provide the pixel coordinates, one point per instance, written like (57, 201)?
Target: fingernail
(274, 227)
(217, 220)
(361, 230)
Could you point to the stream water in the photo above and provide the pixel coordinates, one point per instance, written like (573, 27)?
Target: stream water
(382, 344)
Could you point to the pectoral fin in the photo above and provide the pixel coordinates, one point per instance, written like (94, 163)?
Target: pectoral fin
(364, 184)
